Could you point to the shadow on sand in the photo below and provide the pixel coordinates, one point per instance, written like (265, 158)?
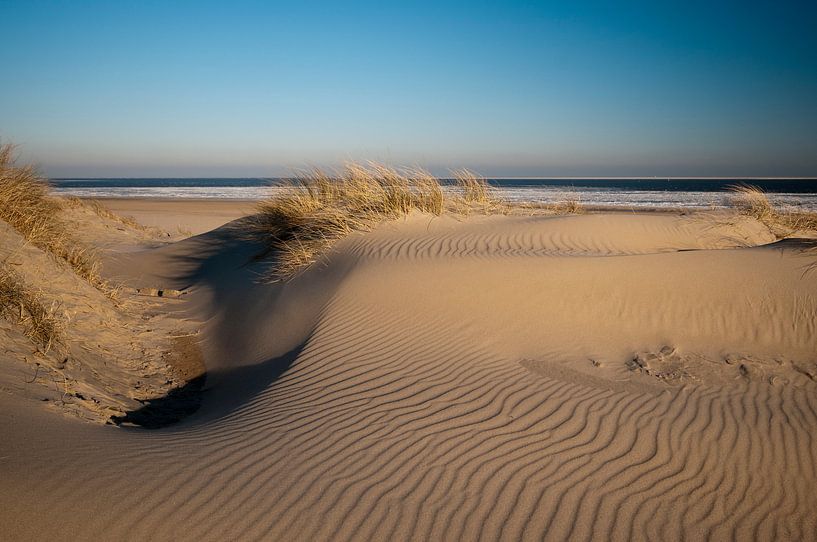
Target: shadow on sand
(230, 265)
(163, 411)
(227, 391)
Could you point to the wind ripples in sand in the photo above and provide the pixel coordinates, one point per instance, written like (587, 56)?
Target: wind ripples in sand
(416, 424)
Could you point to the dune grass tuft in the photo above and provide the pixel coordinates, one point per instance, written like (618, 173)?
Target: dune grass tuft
(571, 206)
(752, 201)
(22, 305)
(24, 201)
(564, 207)
(475, 189)
(320, 209)
(26, 205)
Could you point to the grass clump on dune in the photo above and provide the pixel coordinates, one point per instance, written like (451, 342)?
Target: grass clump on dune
(475, 189)
(22, 305)
(565, 207)
(571, 206)
(320, 209)
(26, 205)
(752, 201)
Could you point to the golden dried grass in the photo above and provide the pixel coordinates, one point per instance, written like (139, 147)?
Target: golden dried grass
(475, 189)
(23, 305)
(752, 201)
(320, 208)
(564, 207)
(27, 206)
(571, 206)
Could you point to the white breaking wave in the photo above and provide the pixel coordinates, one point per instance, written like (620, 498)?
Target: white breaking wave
(171, 192)
(647, 198)
(543, 194)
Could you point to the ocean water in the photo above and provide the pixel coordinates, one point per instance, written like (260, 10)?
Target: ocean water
(637, 193)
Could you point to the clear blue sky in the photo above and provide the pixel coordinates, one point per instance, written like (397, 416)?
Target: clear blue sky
(238, 88)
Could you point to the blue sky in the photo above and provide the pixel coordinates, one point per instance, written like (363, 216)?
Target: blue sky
(505, 88)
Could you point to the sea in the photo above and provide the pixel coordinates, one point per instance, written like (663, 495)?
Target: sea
(793, 194)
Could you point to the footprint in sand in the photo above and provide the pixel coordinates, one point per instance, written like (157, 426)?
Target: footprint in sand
(666, 365)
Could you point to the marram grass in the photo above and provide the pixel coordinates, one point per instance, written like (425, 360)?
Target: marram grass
(752, 201)
(320, 209)
(27, 206)
(23, 305)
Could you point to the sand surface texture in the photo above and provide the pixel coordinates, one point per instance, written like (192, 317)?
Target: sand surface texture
(603, 376)
(180, 217)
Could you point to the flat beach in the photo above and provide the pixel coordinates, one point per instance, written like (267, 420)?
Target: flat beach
(604, 375)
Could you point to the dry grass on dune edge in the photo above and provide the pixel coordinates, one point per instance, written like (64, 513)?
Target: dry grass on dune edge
(320, 208)
(27, 206)
(751, 201)
(21, 304)
(566, 207)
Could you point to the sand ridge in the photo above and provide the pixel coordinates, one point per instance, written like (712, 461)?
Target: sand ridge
(604, 376)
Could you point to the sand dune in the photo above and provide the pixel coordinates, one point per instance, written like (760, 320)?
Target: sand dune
(604, 376)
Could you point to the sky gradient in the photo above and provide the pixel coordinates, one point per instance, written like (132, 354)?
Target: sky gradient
(505, 88)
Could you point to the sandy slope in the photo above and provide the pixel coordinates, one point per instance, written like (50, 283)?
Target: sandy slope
(586, 377)
(110, 354)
